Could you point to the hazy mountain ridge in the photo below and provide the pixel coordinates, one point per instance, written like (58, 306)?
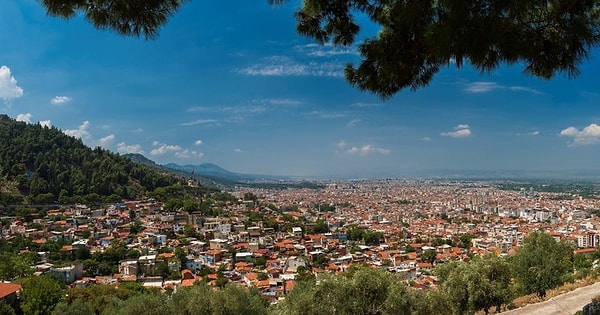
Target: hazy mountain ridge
(140, 158)
(213, 170)
(508, 174)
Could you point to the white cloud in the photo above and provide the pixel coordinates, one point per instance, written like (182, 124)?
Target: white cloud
(524, 89)
(243, 110)
(460, 131)
(327, 114)
(81, 132)
(367, 149)
(232, 114)
(200, 122)
(360, 104)
(8, 85)
(284, 101)
(123, 148)
(177, 150)
(197, 109)
(238, 150)
(353, 122)
(188, 154)
(587, 136)
(481, 87)
(24, 118)
(534, 133)
(327, 50)
(341, 144)
(59, 100)
(104, 142)
(569, 132)
(485, 87)
(164, 148)
(198, 142)
(426, 139)
(285, 66)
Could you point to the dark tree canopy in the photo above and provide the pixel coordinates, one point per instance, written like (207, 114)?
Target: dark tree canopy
(126, 17)
(47, 166)
(416, 38)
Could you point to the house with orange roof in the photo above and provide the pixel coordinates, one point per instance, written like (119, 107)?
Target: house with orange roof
(251, 276)
(188, 282)
(39, 241)
(288, 286)
(333, 268)
(186, 274)
(411, 255)
(166, 255)
(584, 251)
(130, 278)
(8, 292)
(425, 266)
(263, 284)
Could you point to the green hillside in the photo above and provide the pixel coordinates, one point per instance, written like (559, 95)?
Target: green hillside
(43, 165)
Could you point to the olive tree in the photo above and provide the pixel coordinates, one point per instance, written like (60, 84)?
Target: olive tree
(542, 263)
(40, 294)
(479, 284)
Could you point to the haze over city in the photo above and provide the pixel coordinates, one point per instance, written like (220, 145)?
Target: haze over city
(232, 83)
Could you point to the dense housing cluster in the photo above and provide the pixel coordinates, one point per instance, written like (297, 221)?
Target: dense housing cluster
(261, 237)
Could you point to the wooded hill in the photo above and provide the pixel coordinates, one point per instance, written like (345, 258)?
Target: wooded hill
(41, 164)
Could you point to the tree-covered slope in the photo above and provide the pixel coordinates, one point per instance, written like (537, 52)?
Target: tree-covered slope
(44, 165)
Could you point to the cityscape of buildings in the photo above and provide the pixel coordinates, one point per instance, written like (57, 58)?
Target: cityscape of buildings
(269, 237)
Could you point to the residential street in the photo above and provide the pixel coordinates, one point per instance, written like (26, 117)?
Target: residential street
(568, 303)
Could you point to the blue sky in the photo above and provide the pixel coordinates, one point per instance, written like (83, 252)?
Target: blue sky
(231, 83)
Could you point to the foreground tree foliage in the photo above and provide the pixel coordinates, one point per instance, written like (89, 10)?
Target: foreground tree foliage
(542, 263)
(6, 309)
(480, 284)
(416, 38)
(198, 299)
(40, 295)
(14, 266)
(361, 290)
(77, 307)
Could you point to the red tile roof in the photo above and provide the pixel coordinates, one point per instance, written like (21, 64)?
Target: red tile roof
(188, 282)
(7, 289)
(585, 251)
(187, 274)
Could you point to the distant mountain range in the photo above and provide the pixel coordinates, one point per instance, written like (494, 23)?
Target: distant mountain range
(508, 174)
(210, 174)
(213, 175)
(213, 170)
